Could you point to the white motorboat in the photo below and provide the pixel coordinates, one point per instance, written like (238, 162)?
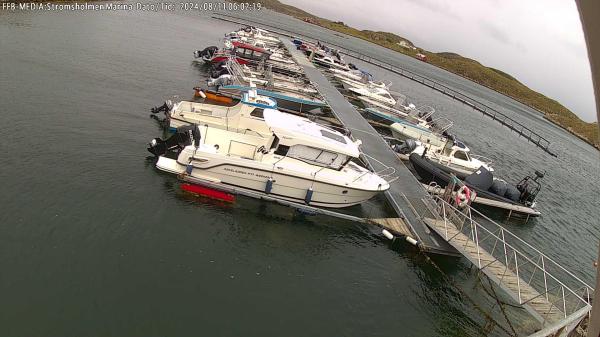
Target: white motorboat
(258, 34)
(375, 94)
(270, 75)
(240, 76)
(353, 74)
(330, 62)
(455, 155)
(400, 113)
(269, 45)
(356, 78)
(433, 132)
(300, 161)
(246, 113)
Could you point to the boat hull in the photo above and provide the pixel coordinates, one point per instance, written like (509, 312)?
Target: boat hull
(405, 130)
(287, 101)
(286, 187)
(429, 172)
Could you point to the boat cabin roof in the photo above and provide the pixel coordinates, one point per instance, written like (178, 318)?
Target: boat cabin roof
(293, 130)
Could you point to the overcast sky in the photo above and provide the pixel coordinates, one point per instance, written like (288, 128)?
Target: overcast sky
(540, 42)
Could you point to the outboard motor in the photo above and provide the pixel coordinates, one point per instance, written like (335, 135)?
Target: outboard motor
(220, 81)
(207, 53)
(166, 107)
(216, 73)
(530, 187)
(182, 138)
(408, 146)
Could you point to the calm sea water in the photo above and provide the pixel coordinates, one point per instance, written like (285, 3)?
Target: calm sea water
(95, 242)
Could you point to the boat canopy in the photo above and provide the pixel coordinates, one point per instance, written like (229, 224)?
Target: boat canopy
(293, 130)
(238, 44)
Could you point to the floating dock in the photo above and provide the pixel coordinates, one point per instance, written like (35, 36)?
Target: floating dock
(406, 195)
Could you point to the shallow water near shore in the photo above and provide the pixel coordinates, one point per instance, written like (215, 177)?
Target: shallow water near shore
(95, 241)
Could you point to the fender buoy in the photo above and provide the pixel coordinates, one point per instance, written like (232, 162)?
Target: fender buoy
(463, 196)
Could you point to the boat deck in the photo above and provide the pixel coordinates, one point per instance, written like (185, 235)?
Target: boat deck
(406, 195)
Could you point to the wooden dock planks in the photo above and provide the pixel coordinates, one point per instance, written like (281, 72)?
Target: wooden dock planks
(394, 225)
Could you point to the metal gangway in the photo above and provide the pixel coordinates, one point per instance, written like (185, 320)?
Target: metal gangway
(558, 299)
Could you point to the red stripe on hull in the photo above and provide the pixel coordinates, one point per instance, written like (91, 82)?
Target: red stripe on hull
(208, 192)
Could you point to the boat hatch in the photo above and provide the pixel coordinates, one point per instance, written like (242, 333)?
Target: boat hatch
(333, 136)
(316, 156)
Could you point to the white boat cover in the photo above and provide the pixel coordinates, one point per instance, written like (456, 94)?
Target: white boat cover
(293, 130)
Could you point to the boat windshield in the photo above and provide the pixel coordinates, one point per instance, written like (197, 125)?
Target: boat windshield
(317, 157)
(461, 155)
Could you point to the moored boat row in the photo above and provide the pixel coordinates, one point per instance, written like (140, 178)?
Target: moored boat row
(249, 133)
(416, 133)
(256, 126)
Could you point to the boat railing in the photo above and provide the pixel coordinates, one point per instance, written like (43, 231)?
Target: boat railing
(538, 276)
(484, 159)
(425, 111)
(441, 124)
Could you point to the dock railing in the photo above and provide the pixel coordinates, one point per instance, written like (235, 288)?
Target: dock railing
(541, 283)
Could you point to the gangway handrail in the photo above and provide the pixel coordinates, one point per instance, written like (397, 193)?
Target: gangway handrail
(530, 246)
(449, 215)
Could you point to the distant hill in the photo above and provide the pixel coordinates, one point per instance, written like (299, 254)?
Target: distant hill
(492, 78)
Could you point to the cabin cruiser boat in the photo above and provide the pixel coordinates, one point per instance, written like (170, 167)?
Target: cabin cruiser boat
(269, 74)
(265, 44)
(330, 62)
(279, 86)
(352, 74)
(249, 108)
(246, 54)
(421, 116)
(482, 182)
(264, 79)
(372, 94)
(455, 155)
(258, 33)
(348, 83)
(300, 161)
(277, 53)
(433, 133)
